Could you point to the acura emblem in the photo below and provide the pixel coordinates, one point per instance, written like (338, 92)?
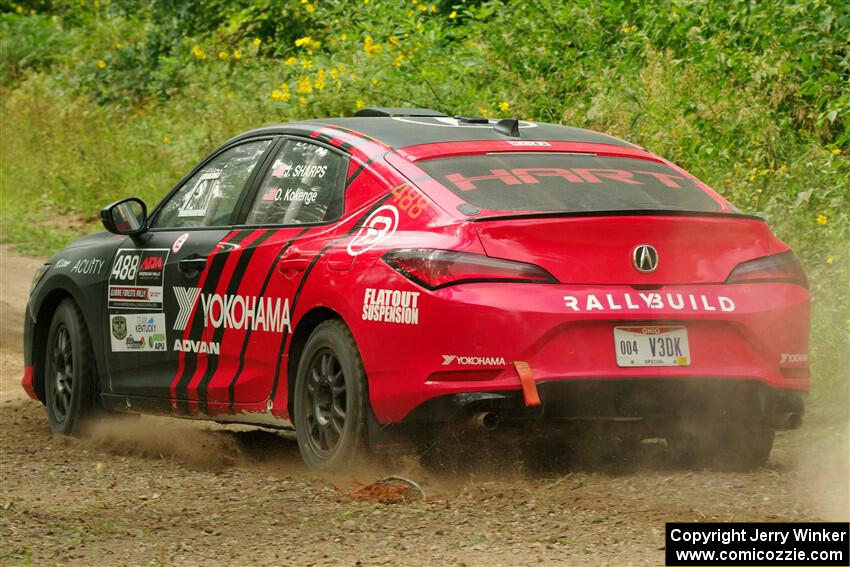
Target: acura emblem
(645, 258)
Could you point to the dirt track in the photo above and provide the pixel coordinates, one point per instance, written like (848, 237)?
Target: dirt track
(154, 491)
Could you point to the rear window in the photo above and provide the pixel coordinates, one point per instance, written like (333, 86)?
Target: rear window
(567, 183)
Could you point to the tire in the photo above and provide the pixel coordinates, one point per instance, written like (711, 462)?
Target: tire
(732, 447)
(68, 371)
(330, 400)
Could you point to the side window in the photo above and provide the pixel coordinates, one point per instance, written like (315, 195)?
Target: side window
(303, 185)
(209, 197)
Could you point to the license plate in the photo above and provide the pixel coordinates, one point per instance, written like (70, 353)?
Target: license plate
(652, 346)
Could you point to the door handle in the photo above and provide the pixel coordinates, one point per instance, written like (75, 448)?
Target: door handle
(292, 265)
(192, 266)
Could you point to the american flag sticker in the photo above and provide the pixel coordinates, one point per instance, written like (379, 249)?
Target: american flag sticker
(270, 194)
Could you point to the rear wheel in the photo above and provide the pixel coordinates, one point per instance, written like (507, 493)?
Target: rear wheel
(330, 398)
(69, 372)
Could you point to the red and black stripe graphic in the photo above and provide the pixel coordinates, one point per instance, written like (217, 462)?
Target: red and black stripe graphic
(241, 267)
(208, 281)
(231, 390)
(303, 281)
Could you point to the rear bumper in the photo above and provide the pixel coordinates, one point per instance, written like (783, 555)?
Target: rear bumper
(656, 402)
(467, 338)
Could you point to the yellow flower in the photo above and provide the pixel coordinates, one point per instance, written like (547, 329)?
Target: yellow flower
(343, 37)
(222, 55)
(432, 8)
(359, 104)
(198, 52)
(836, 152)
(310, 8)
(319, 81)
(302, 41)
(166, 140)
(302, 102)
(237, 55)
(483, 111)
(304, 86)
(306, 64)
(375, 82)
(334, 74)
(365, 1)
(822, 220)
(257, 41)
(830, 260)
(101, 64)
(275, 94)
(285, 94)
(370, 47)
(290, 61)
(453, 15)
(19, 9)
(504, 106)
(398, 60)
(422, 7)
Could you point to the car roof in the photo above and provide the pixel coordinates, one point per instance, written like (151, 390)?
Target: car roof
(399, 132)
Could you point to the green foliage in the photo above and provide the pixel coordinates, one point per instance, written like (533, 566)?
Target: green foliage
(104, 99)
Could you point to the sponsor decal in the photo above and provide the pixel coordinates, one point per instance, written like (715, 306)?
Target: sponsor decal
(283, 170)
(233, 311)
(793, 357)
(87, 266)
(279, 194)
(197, 200)
(62, 263)
(119, 327)
(449, 359)
(527, 143)
(653, 300)
(532, 175)
(200, 347)
(409, 200)
(143, 332)
(391, 306)
(136, 279)
(178, 244)
(379, 226)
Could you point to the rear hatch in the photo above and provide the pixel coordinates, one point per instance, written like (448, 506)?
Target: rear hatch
(584, 217)
(602, 249)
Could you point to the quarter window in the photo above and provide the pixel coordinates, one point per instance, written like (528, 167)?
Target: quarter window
(209, 197)
(302, 186)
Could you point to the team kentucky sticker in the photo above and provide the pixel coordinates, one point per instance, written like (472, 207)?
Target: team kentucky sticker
(136, 279)
(137, 332)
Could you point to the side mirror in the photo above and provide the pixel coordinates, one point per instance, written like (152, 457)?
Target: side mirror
(127, 216)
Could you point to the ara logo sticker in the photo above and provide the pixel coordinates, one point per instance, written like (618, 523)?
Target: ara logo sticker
(178, 244)
(380, 225)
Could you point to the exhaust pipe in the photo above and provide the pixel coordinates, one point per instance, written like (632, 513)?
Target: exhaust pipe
(793, 420)
(485, 420)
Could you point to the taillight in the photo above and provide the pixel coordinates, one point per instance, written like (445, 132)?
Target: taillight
(783, 267)
(433, 269)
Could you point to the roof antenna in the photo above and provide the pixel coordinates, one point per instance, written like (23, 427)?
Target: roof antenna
(508, 127)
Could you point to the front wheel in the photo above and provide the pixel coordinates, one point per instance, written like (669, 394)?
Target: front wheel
(68, 371)
(330, 401)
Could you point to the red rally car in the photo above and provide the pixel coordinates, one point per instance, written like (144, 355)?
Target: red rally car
(358, 279)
